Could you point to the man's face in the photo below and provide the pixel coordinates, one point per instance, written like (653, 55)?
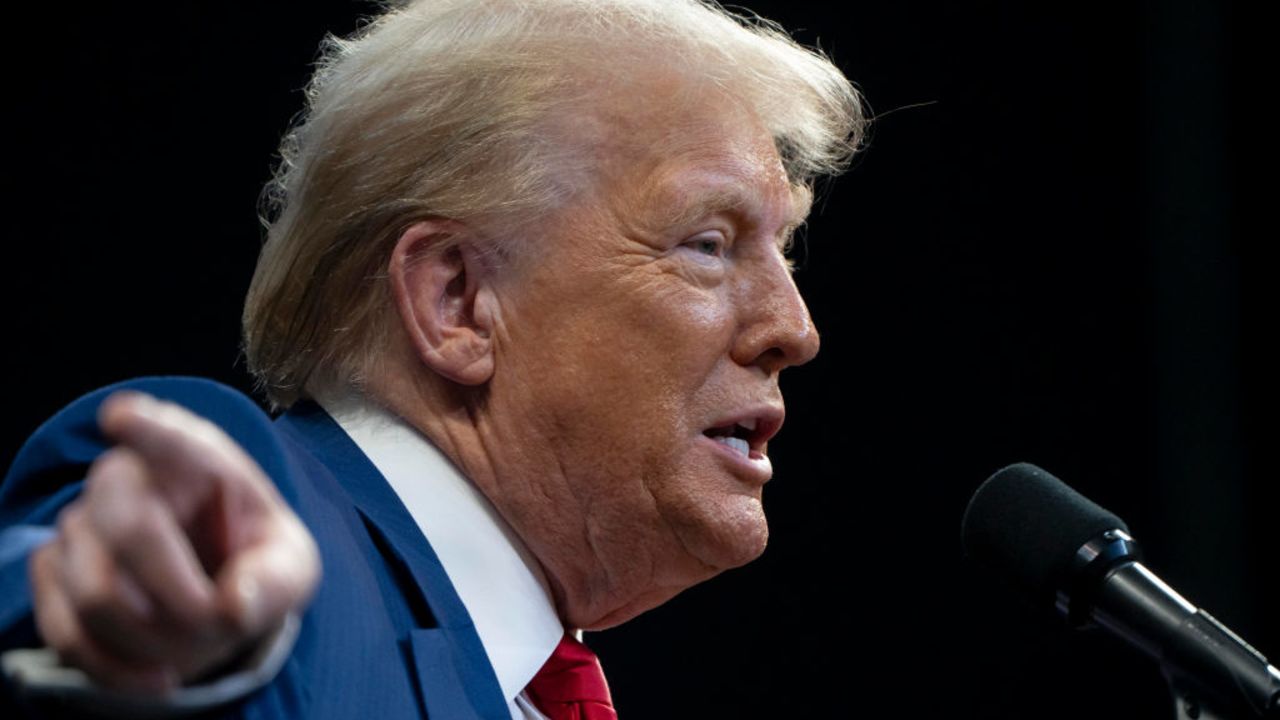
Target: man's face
(638, 359)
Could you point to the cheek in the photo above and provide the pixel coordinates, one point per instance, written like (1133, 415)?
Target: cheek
(621, 389)
(647, 340)
(679, 331)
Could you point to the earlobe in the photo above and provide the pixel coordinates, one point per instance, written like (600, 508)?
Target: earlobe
(441, 288)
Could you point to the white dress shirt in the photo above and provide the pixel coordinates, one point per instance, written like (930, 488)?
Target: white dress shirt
(497, 579)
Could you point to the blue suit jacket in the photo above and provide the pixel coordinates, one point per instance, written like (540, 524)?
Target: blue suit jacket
(385, 637)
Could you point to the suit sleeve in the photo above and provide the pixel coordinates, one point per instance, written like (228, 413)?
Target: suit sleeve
(48, 473)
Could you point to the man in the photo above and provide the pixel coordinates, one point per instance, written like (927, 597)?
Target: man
(525, 301)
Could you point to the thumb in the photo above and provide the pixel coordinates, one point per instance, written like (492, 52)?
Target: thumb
(270, 578)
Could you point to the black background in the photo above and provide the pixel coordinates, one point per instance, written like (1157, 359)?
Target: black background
(1054, 250)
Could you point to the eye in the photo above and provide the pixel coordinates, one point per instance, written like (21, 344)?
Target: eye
(711, 244)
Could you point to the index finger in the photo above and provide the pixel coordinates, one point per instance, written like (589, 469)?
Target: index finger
(191, 458)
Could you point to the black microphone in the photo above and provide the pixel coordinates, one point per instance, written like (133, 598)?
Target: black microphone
(1053, 541)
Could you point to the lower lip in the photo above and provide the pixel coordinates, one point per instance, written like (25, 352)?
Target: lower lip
(755, 467)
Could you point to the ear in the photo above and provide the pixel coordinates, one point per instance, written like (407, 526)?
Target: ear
(443, 292)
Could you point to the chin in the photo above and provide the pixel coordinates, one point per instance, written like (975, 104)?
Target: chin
(718, 538)
(728, 535)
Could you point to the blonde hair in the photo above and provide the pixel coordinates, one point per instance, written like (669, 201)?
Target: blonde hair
(442, 108)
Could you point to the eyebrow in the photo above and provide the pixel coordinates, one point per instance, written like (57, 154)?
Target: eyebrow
(731, 200)
(719, 201)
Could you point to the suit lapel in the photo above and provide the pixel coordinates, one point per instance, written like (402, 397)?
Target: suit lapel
(450, 663)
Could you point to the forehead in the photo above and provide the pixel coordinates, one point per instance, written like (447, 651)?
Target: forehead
(669, 151)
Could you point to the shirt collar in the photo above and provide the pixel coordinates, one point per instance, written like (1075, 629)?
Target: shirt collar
(495, 575)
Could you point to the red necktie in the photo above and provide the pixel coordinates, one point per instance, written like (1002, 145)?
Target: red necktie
(571, 686)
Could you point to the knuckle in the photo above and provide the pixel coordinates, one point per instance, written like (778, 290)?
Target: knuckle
(140, 525)
(112, 472)
(72, 520)
(147, 524)
(94, 594)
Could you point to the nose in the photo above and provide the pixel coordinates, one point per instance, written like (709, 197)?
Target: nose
(776, 331)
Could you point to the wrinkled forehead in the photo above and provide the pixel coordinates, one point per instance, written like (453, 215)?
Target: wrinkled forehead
(679, 148)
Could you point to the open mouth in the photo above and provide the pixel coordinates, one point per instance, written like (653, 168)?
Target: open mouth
(736, 436)
(745, 436)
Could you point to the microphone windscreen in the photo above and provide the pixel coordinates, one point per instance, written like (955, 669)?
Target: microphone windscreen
(1028, 524)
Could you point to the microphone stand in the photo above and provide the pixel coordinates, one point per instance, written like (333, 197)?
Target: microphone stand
(1212, 673)
(1188, 704)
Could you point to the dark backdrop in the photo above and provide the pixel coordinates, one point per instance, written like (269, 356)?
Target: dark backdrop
(1050, 252)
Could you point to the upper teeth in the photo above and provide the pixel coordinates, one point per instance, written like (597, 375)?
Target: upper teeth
(738, 444)
(748, 424)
